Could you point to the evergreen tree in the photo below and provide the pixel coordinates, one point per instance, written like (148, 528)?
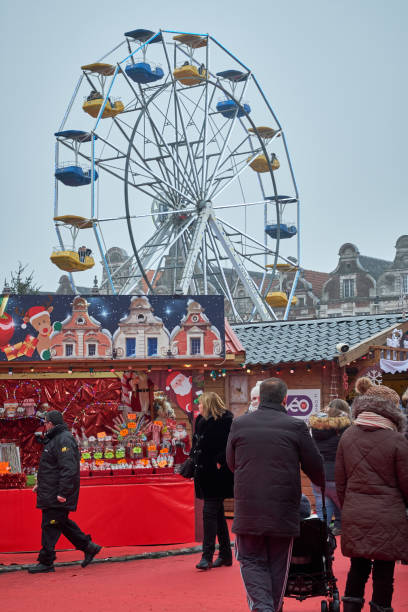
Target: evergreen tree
(22, 282)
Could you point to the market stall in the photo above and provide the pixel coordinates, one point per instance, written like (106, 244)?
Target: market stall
(128, 390)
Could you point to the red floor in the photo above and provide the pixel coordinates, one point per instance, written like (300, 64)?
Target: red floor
(170, 584)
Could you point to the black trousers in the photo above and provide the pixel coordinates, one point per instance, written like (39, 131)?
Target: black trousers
(383, 580)
(215, 525)
(265, 562)
(55, 522)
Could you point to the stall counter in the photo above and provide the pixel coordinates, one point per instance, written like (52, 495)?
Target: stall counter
(150, 510)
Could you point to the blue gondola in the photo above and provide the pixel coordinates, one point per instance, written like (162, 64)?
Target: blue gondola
(142, 35)
(142, 72)
(74, 176)
(77, 135)
(282, 199)
(286, 231)
(233, 75)
(228, 109)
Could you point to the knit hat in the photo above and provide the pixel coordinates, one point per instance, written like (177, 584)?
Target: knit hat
(54, 417)
(381, 391)
(32, 313)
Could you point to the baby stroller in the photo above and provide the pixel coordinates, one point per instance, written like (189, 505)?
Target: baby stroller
(311, 567)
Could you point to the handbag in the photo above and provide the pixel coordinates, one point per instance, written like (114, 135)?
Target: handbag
(187, 468)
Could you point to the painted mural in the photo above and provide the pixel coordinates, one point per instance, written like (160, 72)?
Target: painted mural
(38, 327)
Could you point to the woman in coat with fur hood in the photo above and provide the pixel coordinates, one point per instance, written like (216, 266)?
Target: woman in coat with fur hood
(326, 429)
(372, 486)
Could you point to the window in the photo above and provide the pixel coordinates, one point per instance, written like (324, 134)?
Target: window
(405, 284)
(151, 347)
(91, 350)
(195, 346)
(130, 347)
(69, 350)
(348, 287)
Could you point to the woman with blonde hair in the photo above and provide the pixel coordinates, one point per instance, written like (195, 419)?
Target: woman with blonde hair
(326, 431)
(213, 480)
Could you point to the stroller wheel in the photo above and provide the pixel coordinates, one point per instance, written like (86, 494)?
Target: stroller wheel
(323, 606)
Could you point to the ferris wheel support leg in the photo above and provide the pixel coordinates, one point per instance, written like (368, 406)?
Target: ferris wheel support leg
(191, 260)
(241, 271)
(292, 292)
(105, 263)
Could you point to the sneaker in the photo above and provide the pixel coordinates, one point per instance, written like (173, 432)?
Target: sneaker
(41, 568)
(336, 531)
(90, 552)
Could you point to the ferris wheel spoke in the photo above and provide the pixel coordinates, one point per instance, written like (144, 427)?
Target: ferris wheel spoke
(142, 164)
(233, 123)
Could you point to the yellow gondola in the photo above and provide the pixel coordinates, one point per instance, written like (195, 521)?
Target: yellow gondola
(92, 107)
(189, 74)
(191, 40)
(260, 163)
(76, 221)
(99, 68)
(69, 261)
(263, 132)
(279, 299)
(283, 267)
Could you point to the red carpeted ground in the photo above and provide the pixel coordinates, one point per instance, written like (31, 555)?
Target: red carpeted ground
(170, 584)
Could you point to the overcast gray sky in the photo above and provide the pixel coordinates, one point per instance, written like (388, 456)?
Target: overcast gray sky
(333, 70)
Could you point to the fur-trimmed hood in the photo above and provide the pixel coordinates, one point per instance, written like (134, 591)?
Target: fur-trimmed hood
(325, 422)
(383, 407)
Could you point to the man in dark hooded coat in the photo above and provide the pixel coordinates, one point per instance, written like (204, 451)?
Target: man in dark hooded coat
(57, 491)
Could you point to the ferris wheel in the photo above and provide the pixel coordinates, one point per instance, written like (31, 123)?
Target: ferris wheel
(181, 162)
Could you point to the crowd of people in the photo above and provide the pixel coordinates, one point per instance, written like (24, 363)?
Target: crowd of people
(356, 459)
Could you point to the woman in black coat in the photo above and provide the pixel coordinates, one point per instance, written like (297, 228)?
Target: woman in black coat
(213, 480)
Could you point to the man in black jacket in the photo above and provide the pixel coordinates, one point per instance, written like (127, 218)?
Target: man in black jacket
(265, 450)
(57, 491)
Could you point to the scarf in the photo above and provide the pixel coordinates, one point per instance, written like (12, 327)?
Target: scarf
(372, 419)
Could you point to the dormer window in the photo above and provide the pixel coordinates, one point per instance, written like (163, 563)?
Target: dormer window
(140, 318)
(80, 321)
(348, 288)
(195, 318)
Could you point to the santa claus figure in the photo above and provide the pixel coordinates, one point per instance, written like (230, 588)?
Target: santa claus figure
(182, 387)
(181, 444)
(254, 403)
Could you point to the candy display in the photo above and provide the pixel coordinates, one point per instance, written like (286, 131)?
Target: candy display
(124, 425)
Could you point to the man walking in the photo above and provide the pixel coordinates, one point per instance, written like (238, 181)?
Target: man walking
(57, 494)
(265, 450)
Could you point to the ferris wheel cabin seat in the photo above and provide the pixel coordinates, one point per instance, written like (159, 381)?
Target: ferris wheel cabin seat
(189, 74)
(75, 176)
(260, 163)
(229, 109)
(92, 107)
(69, 261)
(285, 231)
(279, 299)
(142, 72)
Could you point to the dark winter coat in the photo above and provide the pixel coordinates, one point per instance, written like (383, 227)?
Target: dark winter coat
(326, 432)
(58, 473)
(208, 449)
(372, 486)
(265, 450)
